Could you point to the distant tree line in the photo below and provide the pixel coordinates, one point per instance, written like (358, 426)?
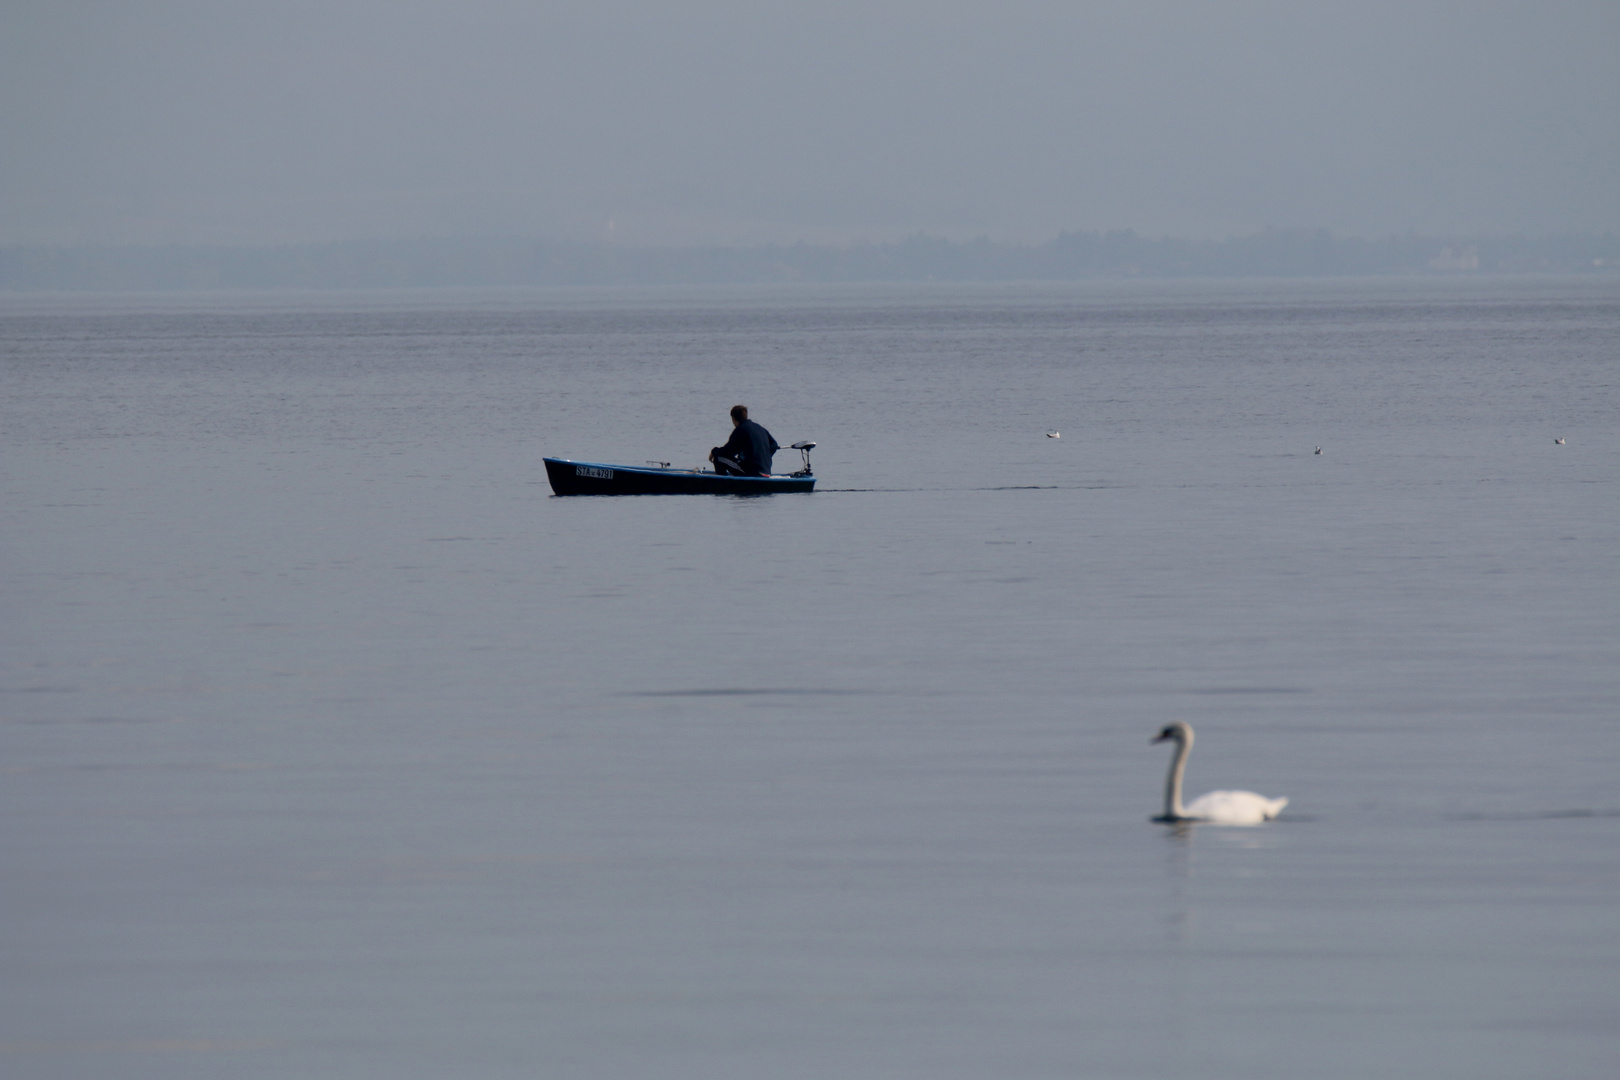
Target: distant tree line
(1070, 256)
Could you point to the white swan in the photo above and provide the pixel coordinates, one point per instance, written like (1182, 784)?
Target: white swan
(1216, 808)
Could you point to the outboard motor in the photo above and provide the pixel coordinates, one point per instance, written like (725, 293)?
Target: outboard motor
(804, 449)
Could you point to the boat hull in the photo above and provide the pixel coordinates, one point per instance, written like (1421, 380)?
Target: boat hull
(591, 478)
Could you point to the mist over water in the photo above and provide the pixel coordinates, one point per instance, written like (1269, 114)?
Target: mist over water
(335, 744)
(724, 123)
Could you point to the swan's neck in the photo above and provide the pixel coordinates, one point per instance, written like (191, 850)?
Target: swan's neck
(1172, 782)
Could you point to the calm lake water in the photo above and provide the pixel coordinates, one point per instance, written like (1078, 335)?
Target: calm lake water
(334, 745)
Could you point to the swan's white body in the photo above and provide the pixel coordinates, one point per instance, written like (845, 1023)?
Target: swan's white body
(1218, 807)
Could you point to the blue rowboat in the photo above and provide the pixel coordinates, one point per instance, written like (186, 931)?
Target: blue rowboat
(592, 478)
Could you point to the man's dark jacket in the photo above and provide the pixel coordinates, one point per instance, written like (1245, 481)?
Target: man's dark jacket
(751, 447)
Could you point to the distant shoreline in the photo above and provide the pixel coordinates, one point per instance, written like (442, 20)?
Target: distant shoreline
(1071, 256)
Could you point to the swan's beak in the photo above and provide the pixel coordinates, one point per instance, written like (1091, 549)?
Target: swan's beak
(1158, 738)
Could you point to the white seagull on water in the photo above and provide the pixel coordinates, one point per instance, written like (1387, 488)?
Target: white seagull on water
(1055, 435)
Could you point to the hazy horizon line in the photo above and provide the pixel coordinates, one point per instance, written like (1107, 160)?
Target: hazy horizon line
(507, 262)
(911, 236)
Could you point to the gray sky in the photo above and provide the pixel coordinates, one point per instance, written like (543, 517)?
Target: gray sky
(725, 121)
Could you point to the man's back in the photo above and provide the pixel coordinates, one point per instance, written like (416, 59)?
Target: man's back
(751, 447)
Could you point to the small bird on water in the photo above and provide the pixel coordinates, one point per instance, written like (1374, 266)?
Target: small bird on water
(1055, 435)
(1560, 442)
(1318, 449)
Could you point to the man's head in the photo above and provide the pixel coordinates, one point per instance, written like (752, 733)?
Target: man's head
(739, 413)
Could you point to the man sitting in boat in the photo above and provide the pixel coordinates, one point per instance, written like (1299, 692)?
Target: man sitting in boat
(748, 452)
